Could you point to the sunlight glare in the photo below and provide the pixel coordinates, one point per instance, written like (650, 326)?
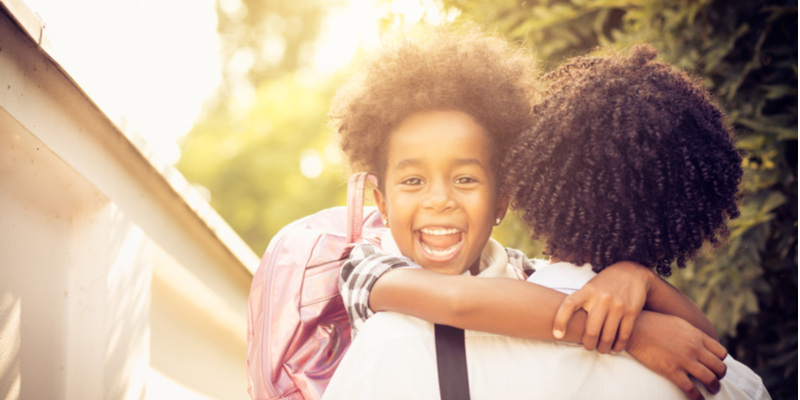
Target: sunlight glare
(310, 164)
(244, 96)
(234, 8)
(241, 62)
(134, 60)
(343, 32)
(412, 12)
(273, 49)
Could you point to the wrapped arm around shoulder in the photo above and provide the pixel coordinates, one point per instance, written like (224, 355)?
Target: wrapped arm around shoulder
(496, 305)
(665, 344)
(666, 299)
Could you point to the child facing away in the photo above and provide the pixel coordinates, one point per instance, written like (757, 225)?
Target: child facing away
(434, 118)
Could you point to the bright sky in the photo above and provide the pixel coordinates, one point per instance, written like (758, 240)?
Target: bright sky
(152, 61)
(155, 62)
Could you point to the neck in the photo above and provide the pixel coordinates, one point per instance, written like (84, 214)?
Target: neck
(475, 268)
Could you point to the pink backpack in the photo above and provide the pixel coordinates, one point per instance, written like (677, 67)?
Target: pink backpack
(297, 327)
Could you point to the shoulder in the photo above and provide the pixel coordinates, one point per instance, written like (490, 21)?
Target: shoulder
(520, 261)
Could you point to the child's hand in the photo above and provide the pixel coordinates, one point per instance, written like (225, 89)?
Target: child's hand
(674, 349)
(613, 300)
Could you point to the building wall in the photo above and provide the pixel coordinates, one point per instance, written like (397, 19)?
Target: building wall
(117, 281)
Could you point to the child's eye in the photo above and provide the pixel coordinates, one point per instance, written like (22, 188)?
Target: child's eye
(412, 181)
(465, 180)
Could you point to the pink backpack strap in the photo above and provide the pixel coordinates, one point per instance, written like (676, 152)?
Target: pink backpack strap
(355, 204)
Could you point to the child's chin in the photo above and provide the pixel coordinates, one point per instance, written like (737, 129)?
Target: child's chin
(446, 269)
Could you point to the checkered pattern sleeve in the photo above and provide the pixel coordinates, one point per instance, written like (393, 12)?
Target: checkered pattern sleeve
(359, 273)
(520, 261)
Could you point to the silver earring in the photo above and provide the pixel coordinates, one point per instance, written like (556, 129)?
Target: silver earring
(385, 222)
(498, 220)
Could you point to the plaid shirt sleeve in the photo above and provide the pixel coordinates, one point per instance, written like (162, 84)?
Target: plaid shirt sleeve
(359, 273)
(520, 261)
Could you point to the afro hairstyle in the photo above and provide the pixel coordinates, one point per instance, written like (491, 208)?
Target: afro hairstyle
(628, 159)
(447, 68)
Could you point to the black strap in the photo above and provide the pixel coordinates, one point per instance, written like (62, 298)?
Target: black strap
(451, 359)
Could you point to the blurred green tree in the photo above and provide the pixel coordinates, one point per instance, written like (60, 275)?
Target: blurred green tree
(747, 54)
(262, 39)
(261, 149)
(272, 165)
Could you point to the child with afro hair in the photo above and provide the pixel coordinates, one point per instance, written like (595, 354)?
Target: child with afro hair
(446, 68)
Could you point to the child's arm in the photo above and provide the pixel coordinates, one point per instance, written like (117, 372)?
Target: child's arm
(526, 310)
(497, 305)
(666, 299)
(366, 264)
(660, 297)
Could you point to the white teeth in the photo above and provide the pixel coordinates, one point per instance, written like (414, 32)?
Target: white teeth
(440, 253)
(439, 231)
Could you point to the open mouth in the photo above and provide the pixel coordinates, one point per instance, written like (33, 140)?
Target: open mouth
(440, 243)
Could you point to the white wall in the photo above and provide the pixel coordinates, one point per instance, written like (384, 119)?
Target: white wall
(117, 281)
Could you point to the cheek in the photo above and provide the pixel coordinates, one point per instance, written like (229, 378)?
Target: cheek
(400, 210)
(481, 207)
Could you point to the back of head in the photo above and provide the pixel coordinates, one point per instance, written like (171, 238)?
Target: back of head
(434, 68)
(628, 159)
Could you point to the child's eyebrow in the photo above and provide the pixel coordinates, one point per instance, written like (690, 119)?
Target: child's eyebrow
(410, 162)
(469, 161)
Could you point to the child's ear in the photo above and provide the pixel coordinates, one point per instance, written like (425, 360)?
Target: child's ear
(380, 201)
(502, 207)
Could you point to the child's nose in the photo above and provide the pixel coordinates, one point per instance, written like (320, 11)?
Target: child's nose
(440, 199)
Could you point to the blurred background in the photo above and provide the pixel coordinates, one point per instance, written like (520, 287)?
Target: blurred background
(235, 93)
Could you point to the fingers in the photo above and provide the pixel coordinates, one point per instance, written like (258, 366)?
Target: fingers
(594, 324)
(708, 378)
(715, 347)
(625, 331)
(564, 313)
(712, 362)
(709, 368)
(685, 384)
(609, 333)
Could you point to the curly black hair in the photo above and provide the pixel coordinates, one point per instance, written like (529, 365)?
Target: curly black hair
(456, 68)
(628, 159)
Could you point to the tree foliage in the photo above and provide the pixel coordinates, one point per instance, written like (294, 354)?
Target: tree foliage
(747, 54)
(269, 118)
(252, 164)
(267, 38)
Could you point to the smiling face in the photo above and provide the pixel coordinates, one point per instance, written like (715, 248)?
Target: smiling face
(440, 195)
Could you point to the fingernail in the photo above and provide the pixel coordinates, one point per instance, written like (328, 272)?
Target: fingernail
(614, 352)
(558, 333)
